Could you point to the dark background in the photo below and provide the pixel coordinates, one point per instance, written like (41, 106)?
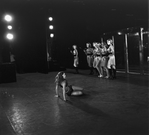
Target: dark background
(75, 22)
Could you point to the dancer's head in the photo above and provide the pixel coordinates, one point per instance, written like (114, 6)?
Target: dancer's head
(110, 42)
(88, 45)
(74, 46)
(60, 77)
(94, 44)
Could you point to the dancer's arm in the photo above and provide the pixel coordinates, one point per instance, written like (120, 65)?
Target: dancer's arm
(64, 90)
(56, 90)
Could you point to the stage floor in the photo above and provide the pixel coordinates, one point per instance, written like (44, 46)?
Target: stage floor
(108, 107)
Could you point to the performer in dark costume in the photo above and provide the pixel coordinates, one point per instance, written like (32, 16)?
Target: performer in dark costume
(89, 56)
(76, 57)
(62, 82)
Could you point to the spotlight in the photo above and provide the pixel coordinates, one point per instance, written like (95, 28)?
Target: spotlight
(51, 27)
(119, 33)
(9, 36)
(9, 27)
(8, 18)
(50, 18)
(51, 35)
(136, 34)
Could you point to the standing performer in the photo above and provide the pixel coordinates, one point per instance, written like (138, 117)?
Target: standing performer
(111, 62)
(62, 82)
(104, 60)
(76, 57)
(97, 58)
(89, 55)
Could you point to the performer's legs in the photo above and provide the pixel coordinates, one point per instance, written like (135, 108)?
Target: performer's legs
(109, 68)
(77, 88)
(107, 72)
(77, 91)
(76, 62)
(105, 62)
(113, 71)
(89, 62)
(110, 73)
(101, 67)
(98, 67)
(77, 69)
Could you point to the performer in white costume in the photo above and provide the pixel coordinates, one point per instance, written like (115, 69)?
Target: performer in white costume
(111, 62)
(97, 58)
(104, 60)
(76, 57)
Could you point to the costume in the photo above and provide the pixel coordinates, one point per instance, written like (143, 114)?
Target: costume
(97, 59)
(105, 57)
(76, 59)
(111, 62)
(68, 88)
(89, 56)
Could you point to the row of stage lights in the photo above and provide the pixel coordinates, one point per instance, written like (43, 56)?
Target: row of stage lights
(8, 18)
(51, 27)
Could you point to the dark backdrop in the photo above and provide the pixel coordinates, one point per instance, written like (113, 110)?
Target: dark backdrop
(75, 22)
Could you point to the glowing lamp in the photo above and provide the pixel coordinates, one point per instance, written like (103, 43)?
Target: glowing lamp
(9, 36)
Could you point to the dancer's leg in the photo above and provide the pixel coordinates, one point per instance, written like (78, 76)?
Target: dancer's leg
(77, 93)
(77, 88)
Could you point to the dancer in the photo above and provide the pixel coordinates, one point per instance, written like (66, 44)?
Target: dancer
(62, 82)
(76, 57)
(104, 60)
(97, 58)
(111, 62)
(89, 56)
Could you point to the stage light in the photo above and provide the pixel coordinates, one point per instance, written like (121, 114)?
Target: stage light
(51, 35)
(9, 27)
(119, 33)
(9, 36)
(51, 27)
(50, 18)
(136, 34)
(8, 18)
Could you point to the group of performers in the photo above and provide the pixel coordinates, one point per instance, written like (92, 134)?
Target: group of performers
(100, 57)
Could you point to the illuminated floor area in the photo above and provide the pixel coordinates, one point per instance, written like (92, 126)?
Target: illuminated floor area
(108, 107)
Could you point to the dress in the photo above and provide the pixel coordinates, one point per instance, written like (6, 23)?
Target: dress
(111, 61)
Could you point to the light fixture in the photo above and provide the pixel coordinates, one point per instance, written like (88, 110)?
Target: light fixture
(51, 35)
(9, 27)
(50, 18)
(9, 36)
(51, 27)
(8, 18)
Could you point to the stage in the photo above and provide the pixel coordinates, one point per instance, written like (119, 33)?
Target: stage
(108, 107)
